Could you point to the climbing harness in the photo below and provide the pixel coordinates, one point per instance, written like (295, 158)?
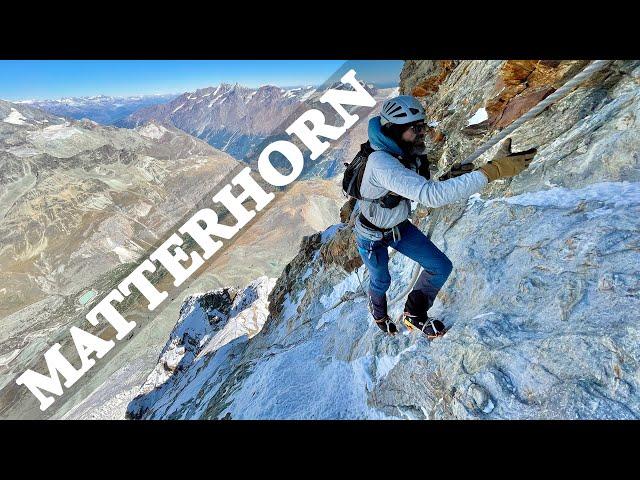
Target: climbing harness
(565, 89)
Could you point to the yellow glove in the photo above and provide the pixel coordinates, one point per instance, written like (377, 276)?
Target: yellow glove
(507, 164)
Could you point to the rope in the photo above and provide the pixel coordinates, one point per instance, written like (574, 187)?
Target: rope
(415, 273)
(595, 66)
(592, 68)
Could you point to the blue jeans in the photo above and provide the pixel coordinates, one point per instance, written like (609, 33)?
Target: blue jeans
(415, 245)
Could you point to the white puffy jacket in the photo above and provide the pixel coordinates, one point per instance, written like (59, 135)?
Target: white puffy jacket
(384, 173)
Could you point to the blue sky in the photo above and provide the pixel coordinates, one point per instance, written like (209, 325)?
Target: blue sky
(51, 79)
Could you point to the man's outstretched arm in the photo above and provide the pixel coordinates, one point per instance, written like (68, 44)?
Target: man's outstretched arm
(389, 173)
(393, 176)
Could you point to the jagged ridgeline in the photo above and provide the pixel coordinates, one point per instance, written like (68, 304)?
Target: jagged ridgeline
(231, 117)
(542, 304)
(238, 120)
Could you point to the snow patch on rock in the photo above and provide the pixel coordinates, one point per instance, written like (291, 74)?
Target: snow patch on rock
(58, 132)
(152, 130)
(478, 117)
(612, 194)
(15, 117)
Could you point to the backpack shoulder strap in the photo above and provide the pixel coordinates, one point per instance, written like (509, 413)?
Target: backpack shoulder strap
(366, 148)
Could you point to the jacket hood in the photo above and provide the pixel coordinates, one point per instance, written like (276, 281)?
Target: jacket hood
(379, 141)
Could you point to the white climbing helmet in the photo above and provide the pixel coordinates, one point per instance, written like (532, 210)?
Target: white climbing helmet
(402, 109)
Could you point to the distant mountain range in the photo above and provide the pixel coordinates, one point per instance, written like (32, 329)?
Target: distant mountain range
(237, 119)
(104, 109)
(230, 117)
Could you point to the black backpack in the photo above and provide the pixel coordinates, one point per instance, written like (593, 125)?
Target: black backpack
(352, 178)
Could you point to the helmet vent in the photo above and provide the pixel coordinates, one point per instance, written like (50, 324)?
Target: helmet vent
(398, 107)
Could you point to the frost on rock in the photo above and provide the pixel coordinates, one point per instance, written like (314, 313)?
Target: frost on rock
(542, 305)
(330, 232)
(612, 195)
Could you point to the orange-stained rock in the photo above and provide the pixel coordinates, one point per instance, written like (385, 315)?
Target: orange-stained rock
(523, 83)
(436, 135)
(430, 84)
(543, 75)
(514, 72)
(522, 103)
(496, 105)
(551, 63)
(419, 91)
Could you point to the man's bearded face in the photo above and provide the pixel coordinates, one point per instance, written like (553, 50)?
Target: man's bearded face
(413, 136)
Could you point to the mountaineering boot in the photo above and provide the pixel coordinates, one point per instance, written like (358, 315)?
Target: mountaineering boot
(386, 325)
(378, 310)
(430, 327)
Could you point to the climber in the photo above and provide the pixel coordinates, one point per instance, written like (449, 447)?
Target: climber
(396, 172)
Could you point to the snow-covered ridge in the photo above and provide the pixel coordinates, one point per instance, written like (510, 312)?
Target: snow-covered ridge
(207, 323)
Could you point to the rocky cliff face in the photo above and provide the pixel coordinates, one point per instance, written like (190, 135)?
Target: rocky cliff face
(207, 323)
(542, 304)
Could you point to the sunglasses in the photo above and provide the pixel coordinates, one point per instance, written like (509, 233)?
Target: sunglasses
(418, 128)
